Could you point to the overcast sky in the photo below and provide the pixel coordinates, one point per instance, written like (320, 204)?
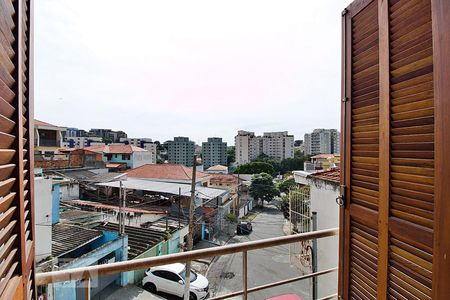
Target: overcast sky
(161, 69)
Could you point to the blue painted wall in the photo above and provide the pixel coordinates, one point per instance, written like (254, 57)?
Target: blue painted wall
(117, 158)
(107, 245)
(56, 197)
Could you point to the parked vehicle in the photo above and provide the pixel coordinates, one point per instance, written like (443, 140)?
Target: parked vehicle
(171, 279)
(244, 227)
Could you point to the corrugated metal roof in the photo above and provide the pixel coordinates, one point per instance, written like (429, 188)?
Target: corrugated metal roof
(111, 207)
(66, 238)
(166, 187)
(139, 239)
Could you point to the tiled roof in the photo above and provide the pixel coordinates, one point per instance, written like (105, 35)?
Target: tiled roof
(139, 239)
(118, 149)
(218, 168)
(66, 238)
(114, 149)
(96, 148)
(99, 205)
(115, 165)
(332, 175)
(223, 178)
(165, 171)
(325, 156)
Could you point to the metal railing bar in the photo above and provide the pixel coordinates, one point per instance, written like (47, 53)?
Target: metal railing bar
(275, 284)
(145, 263)
(244, 274)
(334, 296)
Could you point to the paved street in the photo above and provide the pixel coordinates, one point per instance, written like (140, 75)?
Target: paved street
(264, 266)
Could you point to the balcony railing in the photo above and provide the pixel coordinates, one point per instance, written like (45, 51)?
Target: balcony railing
(86, 273)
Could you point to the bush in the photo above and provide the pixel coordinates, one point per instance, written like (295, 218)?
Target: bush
(231, 217)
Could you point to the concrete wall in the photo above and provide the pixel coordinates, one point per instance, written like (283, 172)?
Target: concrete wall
(323, 201)
(141, 158)
(43, 217)
(70, 191)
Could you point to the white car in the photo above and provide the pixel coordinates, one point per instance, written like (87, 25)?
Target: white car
(170, 279)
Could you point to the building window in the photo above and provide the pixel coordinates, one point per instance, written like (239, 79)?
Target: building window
(126, 156)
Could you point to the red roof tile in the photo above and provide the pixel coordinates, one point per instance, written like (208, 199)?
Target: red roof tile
(223, 178)
(218, 168)
(326, 156)
(332, 175)
(96, 149)
(114, 149)
(164, 171)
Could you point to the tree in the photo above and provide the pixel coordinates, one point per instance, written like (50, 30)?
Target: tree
(255, 168)
(286, 184)
(231, 155)
(284, 206)
(262, 188)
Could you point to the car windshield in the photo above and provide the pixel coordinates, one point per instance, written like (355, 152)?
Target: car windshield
(183, 275)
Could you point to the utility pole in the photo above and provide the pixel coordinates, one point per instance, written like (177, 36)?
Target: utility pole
(191, 229)
(179, 208)
(120, 208)
(238, 199)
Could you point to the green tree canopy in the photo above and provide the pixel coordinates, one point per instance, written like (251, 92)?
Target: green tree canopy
(286, 184)
(262, 188)
(255, 168)
(231, 155)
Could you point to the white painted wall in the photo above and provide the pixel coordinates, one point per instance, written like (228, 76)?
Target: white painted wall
(70, 191)
(323, 201)
(43, 217)
(140, 158)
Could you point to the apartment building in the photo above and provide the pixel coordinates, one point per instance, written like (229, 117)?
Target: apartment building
(138, 142)
(214, 152)
(108, 135)
(322, 141)
(83, 141)
(277, 145)
(180, 151)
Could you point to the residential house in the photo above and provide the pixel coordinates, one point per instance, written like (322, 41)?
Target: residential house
(217, 169)
(175, 173)
(48, 139)
(323, 187)
(322, 162)
(62, 245)
(119, 155)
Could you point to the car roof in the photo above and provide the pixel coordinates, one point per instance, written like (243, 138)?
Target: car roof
(176, 268)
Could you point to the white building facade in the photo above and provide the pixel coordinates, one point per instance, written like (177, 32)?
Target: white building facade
(324, 189)
(277, 145)
(322, 141)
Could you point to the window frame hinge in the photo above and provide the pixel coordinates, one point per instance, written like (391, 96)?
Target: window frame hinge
(340, 200)
(345, 99)
(344, 12)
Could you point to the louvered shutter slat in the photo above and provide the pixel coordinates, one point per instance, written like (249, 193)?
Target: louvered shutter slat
(395, 125)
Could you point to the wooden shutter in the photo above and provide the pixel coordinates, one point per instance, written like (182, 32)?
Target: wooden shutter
(16, 151)
(391, 149)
